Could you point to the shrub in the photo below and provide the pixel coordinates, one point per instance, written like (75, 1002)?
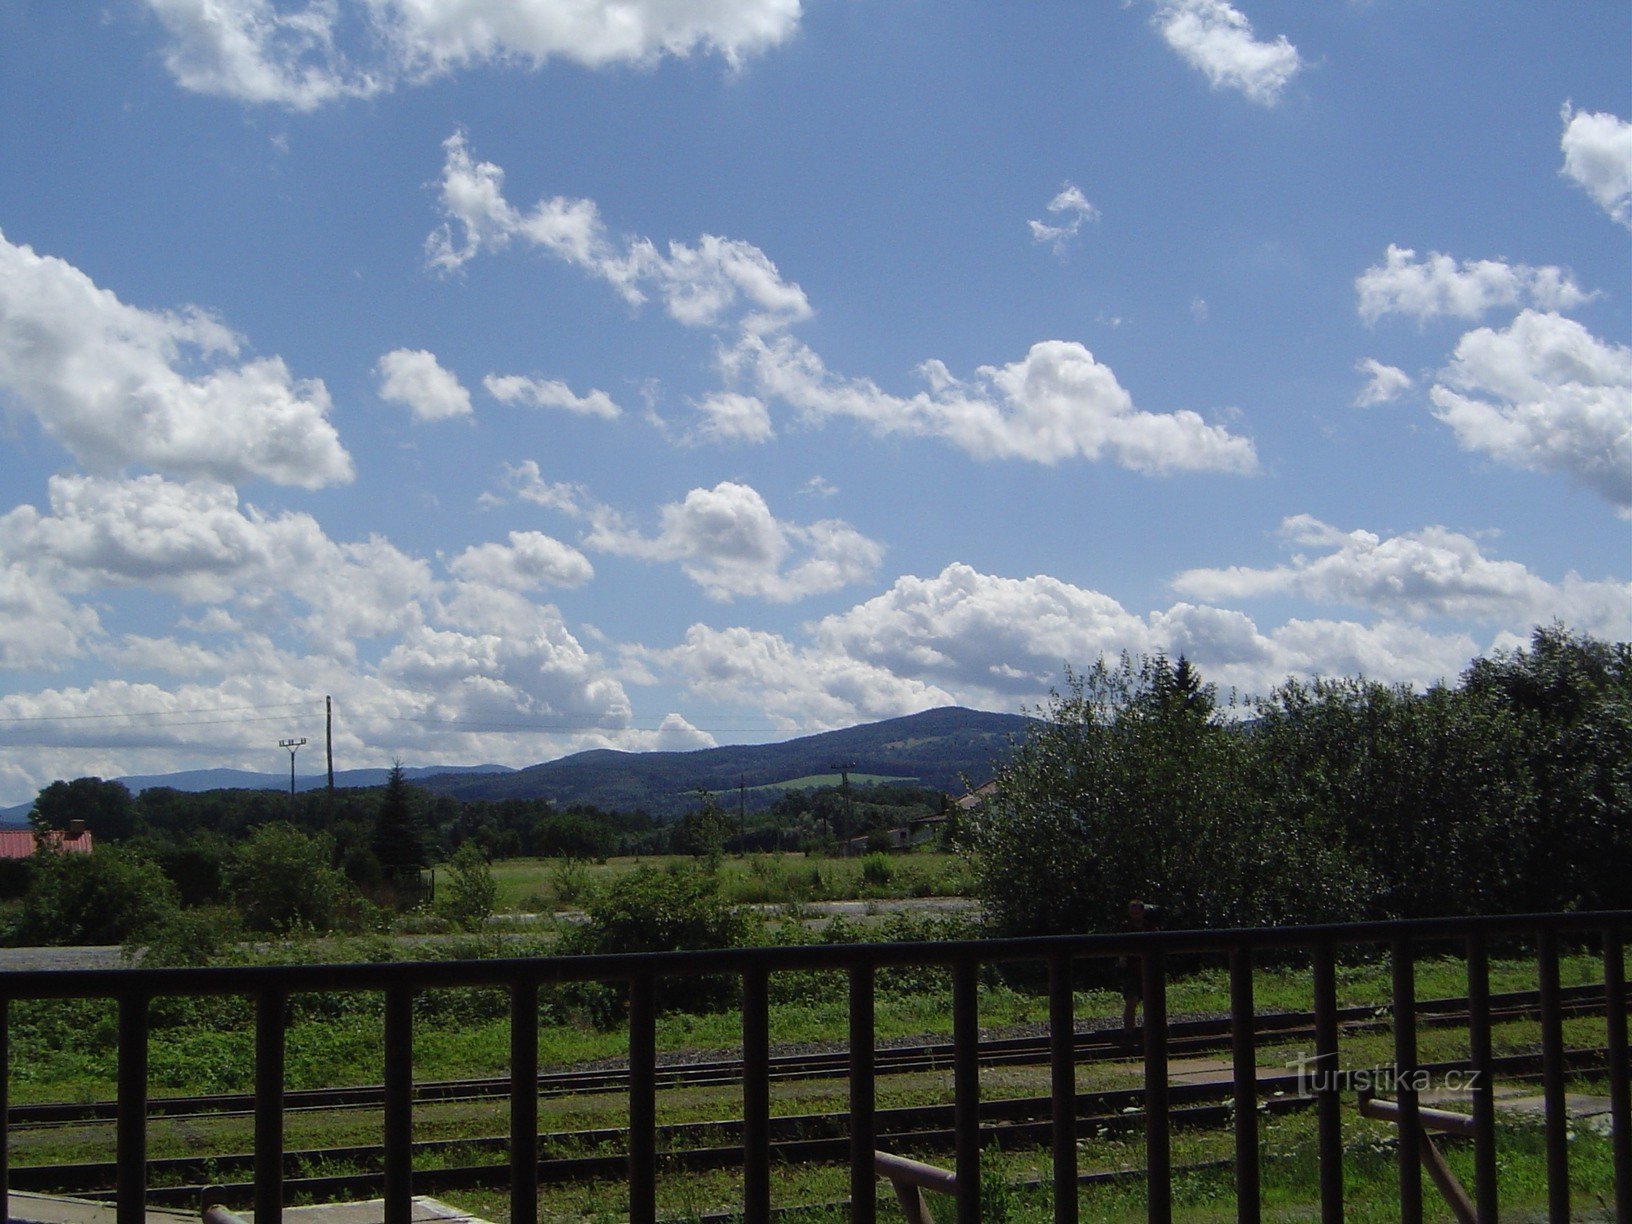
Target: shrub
(282, 880)
(188, 938)
(15, 876)
(569, 880)
(467, 896)
(662, 911)
(877, 870)
(107, 897)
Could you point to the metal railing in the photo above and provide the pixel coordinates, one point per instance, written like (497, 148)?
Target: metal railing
(271, 986)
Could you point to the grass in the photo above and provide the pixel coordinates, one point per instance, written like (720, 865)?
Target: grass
(816, 781)
(335, 1038)
(535, 885)
(1015, 1185)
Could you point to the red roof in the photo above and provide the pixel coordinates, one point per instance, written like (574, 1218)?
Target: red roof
(19, 843)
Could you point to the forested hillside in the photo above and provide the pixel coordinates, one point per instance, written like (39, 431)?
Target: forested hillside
(937, 749)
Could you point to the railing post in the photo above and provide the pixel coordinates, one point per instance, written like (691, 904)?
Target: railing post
(1409, 1139)
(863, 1176)
(1158, 1143)
(399, 1103)
(642, 1101)
(1552, 1080)
(1620, 1094)
(1328, 1101)
(523, 1103)
(1484, 1083)
(1244, 1059)
(756, 1095)
(132, 1109)
(1062, 1066)
(5, 1108)
(966, 1087)
(270, 1008)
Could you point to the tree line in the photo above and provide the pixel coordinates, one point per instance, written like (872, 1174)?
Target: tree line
(1328, 800)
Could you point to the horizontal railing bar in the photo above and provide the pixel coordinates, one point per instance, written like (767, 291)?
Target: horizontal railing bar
(295, 979)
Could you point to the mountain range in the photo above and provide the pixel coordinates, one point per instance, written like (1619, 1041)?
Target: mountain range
(945, 749)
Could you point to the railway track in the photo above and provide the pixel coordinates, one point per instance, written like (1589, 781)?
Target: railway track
(697, 1146)
(1184, 1037)
(569, 1156)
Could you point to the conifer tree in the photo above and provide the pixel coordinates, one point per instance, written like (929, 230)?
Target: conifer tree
(399, 834)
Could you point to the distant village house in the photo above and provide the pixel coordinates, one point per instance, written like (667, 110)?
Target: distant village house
(22, 843)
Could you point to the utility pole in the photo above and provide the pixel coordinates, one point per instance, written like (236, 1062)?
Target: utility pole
(294, 746)
(742, 816)
(328, 722)
(844, 768)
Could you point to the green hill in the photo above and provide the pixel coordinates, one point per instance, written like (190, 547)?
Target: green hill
(938, 748)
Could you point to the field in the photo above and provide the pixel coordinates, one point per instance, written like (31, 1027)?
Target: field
(547, 885)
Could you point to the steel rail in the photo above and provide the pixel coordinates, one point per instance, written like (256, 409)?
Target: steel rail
(1405, 942)
(1185, 1036)
(1093, 1113)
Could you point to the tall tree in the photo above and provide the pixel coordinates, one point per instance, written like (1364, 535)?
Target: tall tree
(399, 832)
(105, 807)
(1130, 788)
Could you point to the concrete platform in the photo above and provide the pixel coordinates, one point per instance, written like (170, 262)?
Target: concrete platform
(369, 1211)
(26, 1208)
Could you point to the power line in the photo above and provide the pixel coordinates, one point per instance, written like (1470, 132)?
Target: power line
(551, 725)
(34, 718)
(216, 716)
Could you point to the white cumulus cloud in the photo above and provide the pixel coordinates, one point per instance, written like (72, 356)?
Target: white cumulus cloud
(973, 632)
(718, 282)
(1055, 403)
(1001, 643)
(530, 559)
(1070, 209)
(304, 55)
(40, 628)
(550, 393)
(417, 381)
(727, 541)
(1383, 383)
(1544, 394)
(1439, 285)
(799, 688)
(730, 417)
(118, 385)
(195, 542)
(1215, 38)
(1432, 572)
(1598, 158)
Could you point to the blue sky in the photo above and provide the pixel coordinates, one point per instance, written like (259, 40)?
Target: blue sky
(533, 375)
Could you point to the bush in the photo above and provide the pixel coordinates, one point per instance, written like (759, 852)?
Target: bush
(282, 880)
(15, 877)
(468, 893)
(665, 911)
(569, 880)
(189, 938)
(108, 897)
(877, 870)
